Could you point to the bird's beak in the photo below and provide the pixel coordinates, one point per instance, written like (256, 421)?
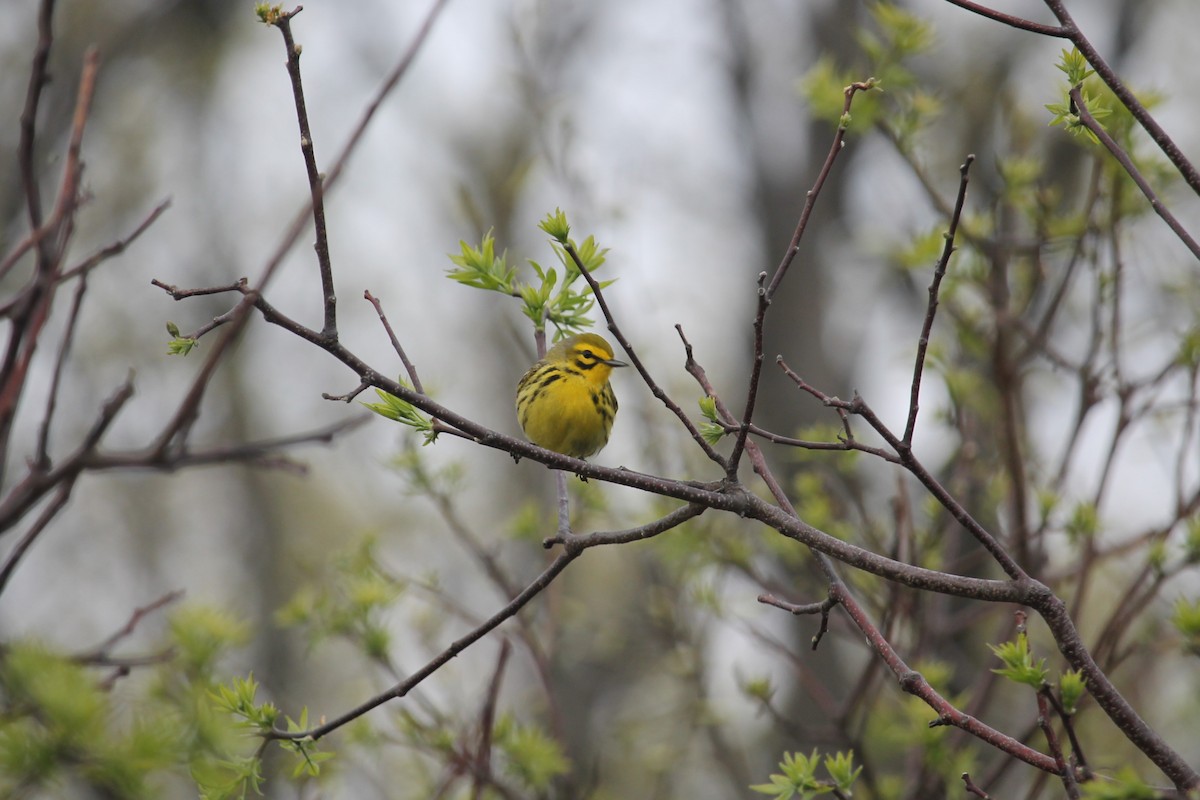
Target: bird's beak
(612, 362)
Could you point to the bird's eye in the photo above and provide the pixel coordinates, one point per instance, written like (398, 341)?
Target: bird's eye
(588, 354)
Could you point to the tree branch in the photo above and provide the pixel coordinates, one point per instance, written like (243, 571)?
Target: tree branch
(1088, 121)
(315, 184)
(939, 272)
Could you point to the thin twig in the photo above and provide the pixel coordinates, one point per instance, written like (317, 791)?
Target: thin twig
(116, 248)
(455, 648)
(68, 192)
(38, 78)
(966, 776)
(823, 608)
(261, 452)
(1065, 773)
(755, 376)
(446, 504)
(240, 285)
(843, 445)
(315, 180)
(1079, 760)
(29, 321)
(939, 272)
(387, 326)
(859, 407)
(577, 544)
(57, 504)
(37, 484)
(483, 755)
(761, 469)
(810, 199)
(348, 396)
(828, 401)
(573, 548)
(102, 650)
(41, 459)
(211, 325)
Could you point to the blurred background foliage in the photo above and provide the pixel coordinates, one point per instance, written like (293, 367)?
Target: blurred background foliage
(684, 136)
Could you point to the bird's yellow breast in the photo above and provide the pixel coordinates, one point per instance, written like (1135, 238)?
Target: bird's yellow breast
(565, 402)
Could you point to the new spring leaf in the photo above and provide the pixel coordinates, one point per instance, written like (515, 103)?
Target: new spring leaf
(1019, 663)
(404, 412)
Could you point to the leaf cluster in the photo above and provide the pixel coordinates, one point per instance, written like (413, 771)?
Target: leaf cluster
(244, 772)
(57, 724)
(1020, 665)
(554, 298)
(798, 776)
(404, 412)
(179, 345)
(1065, 113)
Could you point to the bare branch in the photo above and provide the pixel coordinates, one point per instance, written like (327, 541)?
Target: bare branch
(117, 247)
(755, 376)
(348, 396)
(35, 530)
(927, 326)
(573, 547)
(966, 776)
(483, 755)
(577, 544)
(38, 78)
(265, 453)
(41, 458)
(810, 199)
(823, 608)
(102, 650)
(30, 315)
(1011, 20)
(240, 285)
(387, 326)
(315, 187)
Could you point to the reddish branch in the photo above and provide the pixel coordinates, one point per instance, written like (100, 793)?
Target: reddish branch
(29, 314)
(970, 784)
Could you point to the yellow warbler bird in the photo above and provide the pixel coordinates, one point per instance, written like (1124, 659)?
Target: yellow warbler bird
(565, 402)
